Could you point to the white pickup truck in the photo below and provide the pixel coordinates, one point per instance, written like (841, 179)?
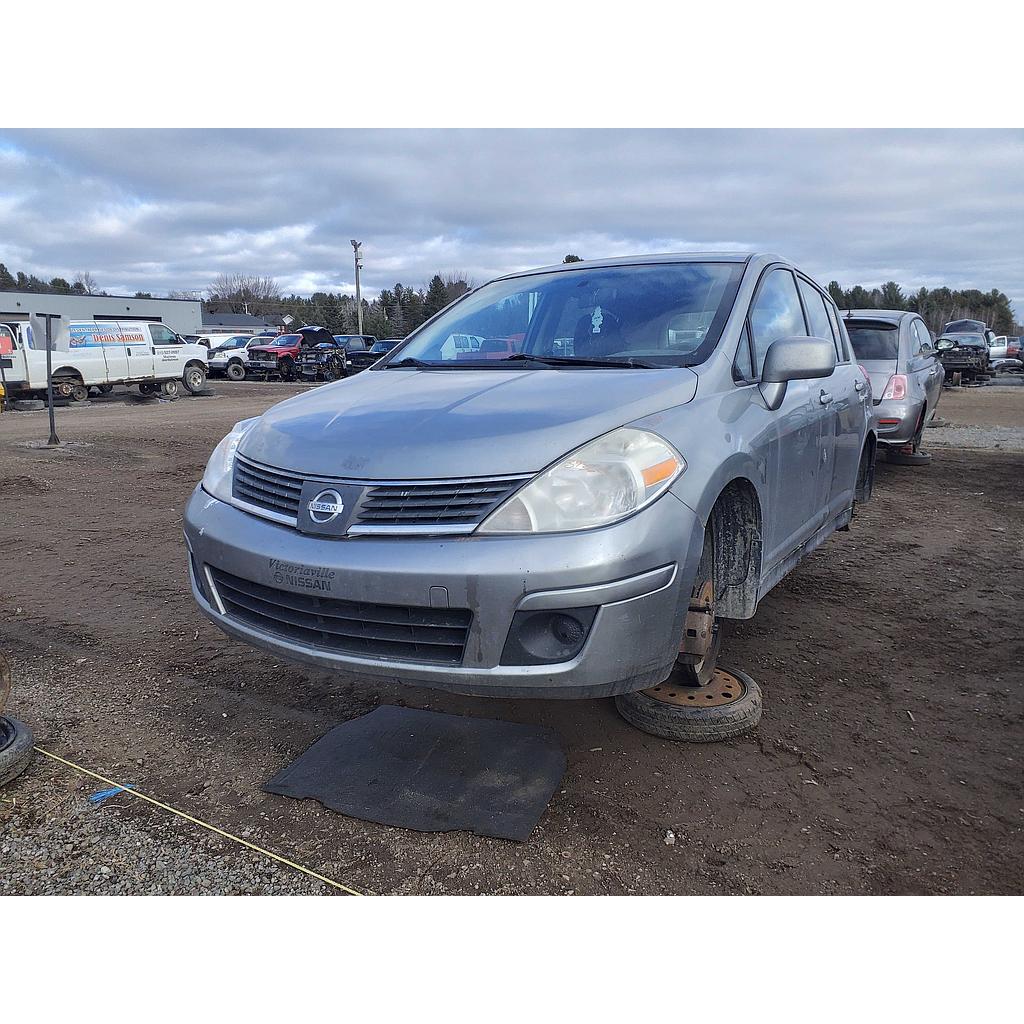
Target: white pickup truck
(103, 353)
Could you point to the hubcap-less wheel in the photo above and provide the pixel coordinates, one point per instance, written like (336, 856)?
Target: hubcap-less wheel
(728, 706)
(194, 379)
(702, 630)
(170, 388)
(79, 393)
(236, 371)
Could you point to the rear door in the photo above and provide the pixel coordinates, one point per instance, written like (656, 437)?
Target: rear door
(835, 394)
(852, 414)
(139, 351)
(97, 351)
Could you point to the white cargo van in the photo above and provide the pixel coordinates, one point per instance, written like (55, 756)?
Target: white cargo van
(103, 353)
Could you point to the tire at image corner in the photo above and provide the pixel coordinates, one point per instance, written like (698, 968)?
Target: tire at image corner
(15, 748)
(694, 725)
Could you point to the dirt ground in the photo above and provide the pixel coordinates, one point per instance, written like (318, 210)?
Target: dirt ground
(888, 760)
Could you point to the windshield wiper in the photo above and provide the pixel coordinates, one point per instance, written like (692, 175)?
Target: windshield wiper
(633, 364)
(411, 361)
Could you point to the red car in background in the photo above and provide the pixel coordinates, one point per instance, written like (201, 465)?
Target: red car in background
(281, 354)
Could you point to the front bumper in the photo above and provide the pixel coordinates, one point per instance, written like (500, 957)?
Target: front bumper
(638, 573)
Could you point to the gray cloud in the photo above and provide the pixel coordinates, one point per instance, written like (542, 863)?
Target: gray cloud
(165, 209)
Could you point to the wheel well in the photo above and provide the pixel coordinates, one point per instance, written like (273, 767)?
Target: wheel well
(195, 362)
(736, 526)
(865, 469)
(68, 373)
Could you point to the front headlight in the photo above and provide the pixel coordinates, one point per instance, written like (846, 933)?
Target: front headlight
(217, 478)
(606, 480)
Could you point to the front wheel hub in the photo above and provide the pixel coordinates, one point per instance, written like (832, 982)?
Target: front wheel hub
(723, 688)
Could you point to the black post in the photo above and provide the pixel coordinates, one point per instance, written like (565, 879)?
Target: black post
(5, 401)
(54, 441)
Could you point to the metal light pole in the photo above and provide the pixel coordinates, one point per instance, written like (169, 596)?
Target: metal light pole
(357, 250)
(54, 441)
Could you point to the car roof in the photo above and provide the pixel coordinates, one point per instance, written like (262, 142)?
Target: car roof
(627, 261)
(892, 316)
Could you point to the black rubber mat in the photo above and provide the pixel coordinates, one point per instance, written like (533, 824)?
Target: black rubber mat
(431, 772)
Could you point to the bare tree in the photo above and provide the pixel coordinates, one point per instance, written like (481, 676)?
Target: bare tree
(85, 283)
(244, 293)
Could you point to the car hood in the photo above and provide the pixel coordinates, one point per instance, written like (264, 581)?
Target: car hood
(423, 424)
(271, 349)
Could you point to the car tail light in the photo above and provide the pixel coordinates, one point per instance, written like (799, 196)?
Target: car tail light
(896, 389)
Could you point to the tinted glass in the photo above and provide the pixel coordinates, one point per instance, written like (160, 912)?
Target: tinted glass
(775, 313)
(286, 340)
(667, 314)
(924, 339)
(873, 341)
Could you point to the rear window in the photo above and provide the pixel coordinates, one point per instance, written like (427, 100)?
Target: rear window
(873, 341)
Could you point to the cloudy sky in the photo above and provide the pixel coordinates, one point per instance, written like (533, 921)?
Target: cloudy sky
(163, 210)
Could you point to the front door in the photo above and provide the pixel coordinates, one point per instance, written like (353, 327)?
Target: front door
(167, 351)
(794, 449)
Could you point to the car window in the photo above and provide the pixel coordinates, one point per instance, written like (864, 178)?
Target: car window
(775, 313)
(874, 340)
(743, 364)
(924, 339)
(162, 335)
(817, 316)
(6, 341)
(838, 330)
(669, 314)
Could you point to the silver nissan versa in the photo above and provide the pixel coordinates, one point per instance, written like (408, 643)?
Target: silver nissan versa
(630, 452)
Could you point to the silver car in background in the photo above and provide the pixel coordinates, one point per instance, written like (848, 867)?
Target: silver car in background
(897, 351)
(666, 439)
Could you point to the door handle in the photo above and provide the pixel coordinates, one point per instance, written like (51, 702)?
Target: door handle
(824, 398)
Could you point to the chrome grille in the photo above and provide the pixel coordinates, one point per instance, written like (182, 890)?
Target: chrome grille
(393, 632)
(270, 489)
(433, 503)
(411, 506)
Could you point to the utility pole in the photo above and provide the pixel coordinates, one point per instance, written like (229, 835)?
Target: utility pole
(357, 250)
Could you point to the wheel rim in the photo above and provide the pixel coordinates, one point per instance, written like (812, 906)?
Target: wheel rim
(195, 380)
(724, 688)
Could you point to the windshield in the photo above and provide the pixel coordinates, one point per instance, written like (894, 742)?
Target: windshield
(662, 314)
(968, 339)
(380, 347)
(874, 341)
(286, 340)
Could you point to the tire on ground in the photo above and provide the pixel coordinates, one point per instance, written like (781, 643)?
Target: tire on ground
(694, 725)
(28, 404)
(15, 748)
(194, 379)
(235, 370)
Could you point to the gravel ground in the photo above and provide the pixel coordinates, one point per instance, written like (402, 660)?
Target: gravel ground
(62, 843)
(1010, 439)
(987, 417)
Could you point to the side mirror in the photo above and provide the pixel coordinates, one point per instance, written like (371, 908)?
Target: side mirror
(794, 359)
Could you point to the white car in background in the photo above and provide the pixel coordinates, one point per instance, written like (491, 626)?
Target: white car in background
(229, 354)
(103, 353)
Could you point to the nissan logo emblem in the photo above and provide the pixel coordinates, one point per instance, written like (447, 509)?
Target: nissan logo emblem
(325, 507)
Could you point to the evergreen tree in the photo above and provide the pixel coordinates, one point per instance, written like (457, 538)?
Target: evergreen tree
(7, 280)
(436, 298)
(837, 293)
(892, 297)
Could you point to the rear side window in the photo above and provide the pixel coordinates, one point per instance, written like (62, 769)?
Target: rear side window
(775, 314)
(873, 340)
(922, 338)
(817, 317)
(837, 330)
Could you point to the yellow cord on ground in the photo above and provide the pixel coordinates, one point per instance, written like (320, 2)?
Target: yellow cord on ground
(204, 824)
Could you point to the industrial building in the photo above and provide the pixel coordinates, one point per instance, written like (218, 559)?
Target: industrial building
(185, 316)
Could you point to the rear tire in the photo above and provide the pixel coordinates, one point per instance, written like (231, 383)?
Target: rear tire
(169, 389)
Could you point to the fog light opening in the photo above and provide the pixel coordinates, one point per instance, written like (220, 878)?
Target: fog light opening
(547, 637)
